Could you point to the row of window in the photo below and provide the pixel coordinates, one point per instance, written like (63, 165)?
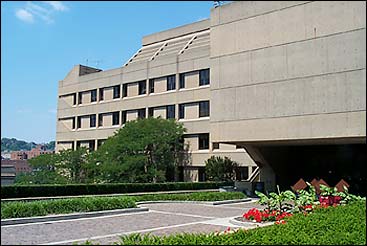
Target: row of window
(204, 79)
(170, 110)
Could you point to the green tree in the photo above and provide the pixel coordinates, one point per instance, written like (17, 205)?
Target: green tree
(145, 150)
(73, 164)
(220, 169)
(45, 171)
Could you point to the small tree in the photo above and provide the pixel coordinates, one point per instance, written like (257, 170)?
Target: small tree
(144, 150)
(220, 169)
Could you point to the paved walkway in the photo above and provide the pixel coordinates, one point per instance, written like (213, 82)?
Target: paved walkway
(166, 218)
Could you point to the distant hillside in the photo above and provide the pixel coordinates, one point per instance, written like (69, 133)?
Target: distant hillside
(12, 144)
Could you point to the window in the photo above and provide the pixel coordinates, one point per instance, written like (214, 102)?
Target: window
(73, 123)
(150, 112)
(123, 117)
(80, 96)
(151, 86)
(100, 120)
(116, 91)
(204, 109)
(204, 141)
(204, 77)
(74, 99)
(101, 91)
(182, 80)
(92, 145)
(242, 173)
(171, 82)
(124, 90)
(142, 87)
(115, 118)
(181, 111)
(79, 123)
(215, 145)
(93, 96)
(141, 113)
(170, 114)
(92, 122)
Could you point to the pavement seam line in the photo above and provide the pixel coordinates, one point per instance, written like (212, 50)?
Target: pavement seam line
(121, 233)
(182, 214)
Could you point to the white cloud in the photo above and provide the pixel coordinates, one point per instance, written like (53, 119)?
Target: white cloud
(24, 15)
(43, 10)
(57, 5)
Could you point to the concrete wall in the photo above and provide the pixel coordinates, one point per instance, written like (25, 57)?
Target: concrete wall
(288, 71)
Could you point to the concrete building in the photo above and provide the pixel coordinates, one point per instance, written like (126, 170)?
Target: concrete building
(260, 82)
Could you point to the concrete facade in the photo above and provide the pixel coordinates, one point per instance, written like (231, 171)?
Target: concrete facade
(280, 72)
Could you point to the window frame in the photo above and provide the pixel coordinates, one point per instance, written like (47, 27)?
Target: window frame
(93, 95)
(168, 111)
(116, 91)
(171, 82)
(142, 87)
(202, 111)
(201, 144)
(204, 77)
(182, 80)
(115, 118)
(92, 120)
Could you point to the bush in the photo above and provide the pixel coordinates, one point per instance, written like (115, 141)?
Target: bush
(64, 206)
(331, 226)
(220, 169)
(198, 196)
(18, 191)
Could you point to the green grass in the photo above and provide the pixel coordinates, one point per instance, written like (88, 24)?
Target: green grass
(343, 225)
(88, 204)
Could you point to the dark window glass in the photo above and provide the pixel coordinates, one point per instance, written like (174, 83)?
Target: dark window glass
(151, 86)
(116, 91)
(204, 77)
(124, 90)
(171, 114)
(73, 122)
(204, 141)
(100, 142)
(74, 99)
(171, 82)
(92, 122)
(80, 96)
(123, 117)
(241, 173)
(150, 112)
(141, 113)
(100, 120)
(115, 118)
(142, 87)
(201, 174)
(79, 122)
(92, 145)
(182, 80)
(204, 109)
(181, 111)
(101, 91)
(215, 145)
(93, 97)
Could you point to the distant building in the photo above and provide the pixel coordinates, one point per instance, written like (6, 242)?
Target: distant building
(5, 155)
(25, 155)
(7, 174)
(20, 166)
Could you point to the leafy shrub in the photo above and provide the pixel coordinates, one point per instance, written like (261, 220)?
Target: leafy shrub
(17, 191)
(218, 168)
(342, 225)
(197, 196)
(64, 206)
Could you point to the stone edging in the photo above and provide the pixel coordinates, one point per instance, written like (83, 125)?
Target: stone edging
(199, 202)
(246, 224)
(28, 220)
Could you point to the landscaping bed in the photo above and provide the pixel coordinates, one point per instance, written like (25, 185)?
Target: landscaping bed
(89, 204)
(341, 225)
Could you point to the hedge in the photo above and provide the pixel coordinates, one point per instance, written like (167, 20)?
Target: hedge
(23, 191)
(342, 225)
(87, 204)
(64, 206)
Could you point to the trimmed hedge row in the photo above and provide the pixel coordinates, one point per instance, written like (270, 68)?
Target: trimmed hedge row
(64, 206)
(342, 225)
(197, 196)
(22, 191)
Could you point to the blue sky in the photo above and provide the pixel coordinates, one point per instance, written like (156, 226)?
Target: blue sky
(42, 41)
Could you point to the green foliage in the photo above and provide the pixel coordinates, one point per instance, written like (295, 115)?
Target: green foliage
(63, 206)
(347, 197)
(18, 191)
(278, 201)
(220, 169)
(145, 150)
(68, 166)
(343, 225)
(306, 197)
(197, 196)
